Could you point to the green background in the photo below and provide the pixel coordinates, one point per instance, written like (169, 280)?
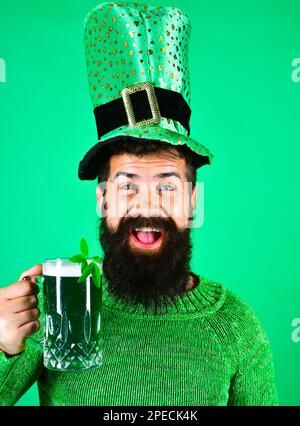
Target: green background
(245, 110)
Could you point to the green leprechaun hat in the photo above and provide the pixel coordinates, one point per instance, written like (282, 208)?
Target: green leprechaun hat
(138, 73)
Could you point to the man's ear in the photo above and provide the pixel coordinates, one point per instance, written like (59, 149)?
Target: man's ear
(194, 198)
(100, 197)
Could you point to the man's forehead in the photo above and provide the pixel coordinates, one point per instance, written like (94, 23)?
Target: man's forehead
(151, 164)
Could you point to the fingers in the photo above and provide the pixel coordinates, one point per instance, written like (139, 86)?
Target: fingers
(25, 317)
(34, 270)
(18, 312)
(22, 288)
(28, 329)
(21, 304)
(18, 289)
(14, 339)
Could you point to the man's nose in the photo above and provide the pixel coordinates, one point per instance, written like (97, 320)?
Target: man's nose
(147, 202)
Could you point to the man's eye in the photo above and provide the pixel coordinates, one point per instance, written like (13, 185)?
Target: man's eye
(127, 187)
(166, 187)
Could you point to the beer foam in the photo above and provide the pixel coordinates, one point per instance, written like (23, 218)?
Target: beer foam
(63, 268)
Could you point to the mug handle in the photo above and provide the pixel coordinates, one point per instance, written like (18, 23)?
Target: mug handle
(33, 341)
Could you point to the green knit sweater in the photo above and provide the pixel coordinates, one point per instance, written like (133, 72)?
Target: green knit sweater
(207, 349)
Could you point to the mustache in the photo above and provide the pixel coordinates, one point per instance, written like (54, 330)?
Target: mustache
(126, 223)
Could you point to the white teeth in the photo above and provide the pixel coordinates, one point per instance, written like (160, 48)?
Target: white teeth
(148, 229)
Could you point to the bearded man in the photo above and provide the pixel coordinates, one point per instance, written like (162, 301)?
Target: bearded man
(170, 336)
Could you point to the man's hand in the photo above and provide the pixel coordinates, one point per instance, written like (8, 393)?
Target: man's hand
(18, 312)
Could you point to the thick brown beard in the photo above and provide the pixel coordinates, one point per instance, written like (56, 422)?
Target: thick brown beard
(147, 278)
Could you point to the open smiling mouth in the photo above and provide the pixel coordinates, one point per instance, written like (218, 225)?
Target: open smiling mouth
(146, 237)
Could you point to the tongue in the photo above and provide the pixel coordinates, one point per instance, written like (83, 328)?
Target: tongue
(147, 237)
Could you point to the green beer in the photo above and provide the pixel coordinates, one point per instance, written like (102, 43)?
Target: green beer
(73, 329)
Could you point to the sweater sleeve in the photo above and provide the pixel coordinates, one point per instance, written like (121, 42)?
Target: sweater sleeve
(19, 372)
(253, 380)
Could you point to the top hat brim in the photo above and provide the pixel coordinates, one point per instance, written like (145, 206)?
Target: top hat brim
(89, 166)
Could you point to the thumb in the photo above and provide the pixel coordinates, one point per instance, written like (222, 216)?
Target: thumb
(34, 270)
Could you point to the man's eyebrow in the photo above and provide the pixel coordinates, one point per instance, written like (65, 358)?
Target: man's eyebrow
(129, 175)
(168, 174)
(159, 175)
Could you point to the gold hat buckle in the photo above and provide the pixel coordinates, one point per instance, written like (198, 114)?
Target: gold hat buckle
(127, 91)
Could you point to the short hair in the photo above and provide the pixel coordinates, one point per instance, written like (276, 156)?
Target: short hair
(145, 148)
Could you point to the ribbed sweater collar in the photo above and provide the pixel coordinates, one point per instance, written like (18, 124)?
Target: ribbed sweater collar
(201, 300)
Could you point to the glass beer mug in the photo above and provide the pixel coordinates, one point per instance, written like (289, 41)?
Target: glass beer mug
(72, 337)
